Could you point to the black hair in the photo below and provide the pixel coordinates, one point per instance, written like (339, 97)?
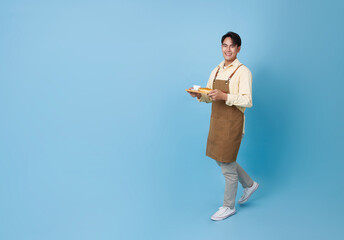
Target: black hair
(234, 36)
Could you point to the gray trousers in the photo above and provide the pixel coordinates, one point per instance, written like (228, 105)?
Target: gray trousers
(232, 172)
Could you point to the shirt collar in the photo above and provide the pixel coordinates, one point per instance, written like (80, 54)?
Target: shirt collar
(235, 63)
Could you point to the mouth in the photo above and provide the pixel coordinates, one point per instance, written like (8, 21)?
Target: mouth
(228, 54)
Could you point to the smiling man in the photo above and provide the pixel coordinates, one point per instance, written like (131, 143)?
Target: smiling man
(231, 94)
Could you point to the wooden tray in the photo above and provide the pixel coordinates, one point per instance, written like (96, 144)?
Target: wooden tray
(203, 90)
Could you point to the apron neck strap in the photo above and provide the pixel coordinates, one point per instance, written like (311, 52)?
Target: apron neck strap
(218, 69)
(235, 71)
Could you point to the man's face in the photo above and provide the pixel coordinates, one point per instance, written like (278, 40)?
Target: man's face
(229, 51)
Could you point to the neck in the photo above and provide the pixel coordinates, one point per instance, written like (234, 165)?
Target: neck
(228, 62)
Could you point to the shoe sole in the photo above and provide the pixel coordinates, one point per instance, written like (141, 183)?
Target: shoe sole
(249, 195)
(218, 219)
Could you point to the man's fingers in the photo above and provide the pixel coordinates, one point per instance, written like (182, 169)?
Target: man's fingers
(212, 92)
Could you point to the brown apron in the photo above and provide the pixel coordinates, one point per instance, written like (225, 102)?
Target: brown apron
(226, 126)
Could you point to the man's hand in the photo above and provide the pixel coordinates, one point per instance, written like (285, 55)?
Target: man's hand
(198, 95)
(216, 95)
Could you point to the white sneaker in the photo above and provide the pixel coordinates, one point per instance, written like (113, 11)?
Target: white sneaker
(248, 192)
(222, 213)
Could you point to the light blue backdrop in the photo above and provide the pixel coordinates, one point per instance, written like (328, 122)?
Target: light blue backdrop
(99, 140)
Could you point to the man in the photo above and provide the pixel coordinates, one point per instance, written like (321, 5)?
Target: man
(231, 94)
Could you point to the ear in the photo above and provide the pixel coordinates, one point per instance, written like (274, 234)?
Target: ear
(239, 49)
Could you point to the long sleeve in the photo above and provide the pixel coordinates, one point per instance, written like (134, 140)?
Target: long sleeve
(244, 97)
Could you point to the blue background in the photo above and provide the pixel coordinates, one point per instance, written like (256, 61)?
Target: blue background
(99, 140)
